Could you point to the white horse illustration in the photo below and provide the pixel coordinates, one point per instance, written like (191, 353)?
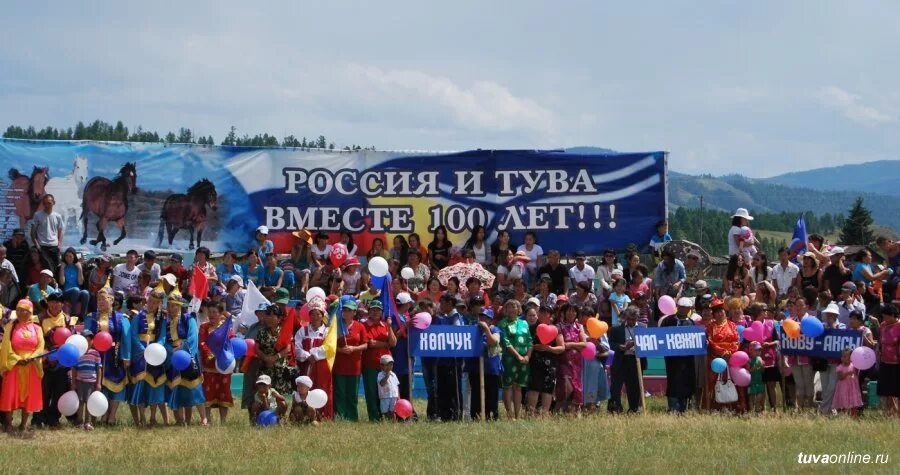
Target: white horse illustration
(68, 190)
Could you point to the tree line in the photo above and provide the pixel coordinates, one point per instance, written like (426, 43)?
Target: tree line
(103, 131)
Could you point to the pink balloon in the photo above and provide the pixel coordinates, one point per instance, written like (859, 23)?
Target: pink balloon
(422, 320)
(863, 358)
(546, 333)
(304, 314)
(667, 305)
(403, 408)
(589, 351)
(750, 334)
(740, 376)
(738, 359)
(757, 327)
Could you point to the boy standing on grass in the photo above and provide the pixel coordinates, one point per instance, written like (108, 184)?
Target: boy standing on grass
(388, 388)
(86, 377)
(300, 410)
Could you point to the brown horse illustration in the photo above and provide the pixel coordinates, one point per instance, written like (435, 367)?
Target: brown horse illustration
(27, 192)
(108, 200)
(188, 211)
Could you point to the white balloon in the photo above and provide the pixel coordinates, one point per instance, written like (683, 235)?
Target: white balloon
(68, 403)
(228, 370)
(97, 404)
(378, 267)
(317, 398)
(155, 354)
(315, 292)
(80, 342)
(407, 273)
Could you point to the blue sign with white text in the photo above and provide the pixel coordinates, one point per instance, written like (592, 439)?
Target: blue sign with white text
(828, 345)
(445, 341)
(670, 341)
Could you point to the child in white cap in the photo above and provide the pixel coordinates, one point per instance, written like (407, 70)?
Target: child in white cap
(388, 388)
(301, 413)
(267, 399)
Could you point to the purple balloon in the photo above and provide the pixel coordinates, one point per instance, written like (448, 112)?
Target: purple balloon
(740, 376)
(863, 358)
(610, 357)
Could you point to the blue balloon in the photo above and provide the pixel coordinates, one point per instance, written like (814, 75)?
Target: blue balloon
(67, 355)
(181, 360)
(719, 365)
(740, 330)
(811, 326)
(52, 357)
(239, 347)
(266, 418)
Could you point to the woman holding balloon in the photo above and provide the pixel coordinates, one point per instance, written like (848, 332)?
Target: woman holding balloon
(548, 345)
(186, 385)
(722, 341)
(216, 385)
(117, 356)
(22, 371)
(568, 372)
(148, 383)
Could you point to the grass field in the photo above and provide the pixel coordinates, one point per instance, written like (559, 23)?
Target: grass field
(652, 443)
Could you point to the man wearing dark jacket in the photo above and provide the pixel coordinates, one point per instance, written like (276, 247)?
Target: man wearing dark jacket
(624, 367)
(680, 376)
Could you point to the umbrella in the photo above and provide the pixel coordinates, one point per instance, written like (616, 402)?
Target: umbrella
(463, 272)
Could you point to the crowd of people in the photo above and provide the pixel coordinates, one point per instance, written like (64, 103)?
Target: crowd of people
(507, 290)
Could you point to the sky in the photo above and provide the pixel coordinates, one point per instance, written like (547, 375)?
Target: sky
(757, 88)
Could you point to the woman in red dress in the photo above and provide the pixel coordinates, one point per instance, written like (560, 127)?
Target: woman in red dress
(23, 339)
(722, 341)
(311, 355)
(216, 386)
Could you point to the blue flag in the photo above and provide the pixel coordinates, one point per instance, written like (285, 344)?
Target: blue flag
(220, 345)
(798, 242)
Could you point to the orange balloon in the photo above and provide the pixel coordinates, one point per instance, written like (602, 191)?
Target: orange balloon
(791, 328)
(596, 328)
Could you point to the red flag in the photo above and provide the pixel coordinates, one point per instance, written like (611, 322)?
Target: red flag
(199, 287)
(286, 336)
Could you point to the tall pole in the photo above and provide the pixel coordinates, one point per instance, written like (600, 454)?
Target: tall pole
(701, 221)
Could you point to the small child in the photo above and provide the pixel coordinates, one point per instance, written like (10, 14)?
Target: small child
(86, 377)
(618, 300)
(301, 413)
(662, 236)
(747, 244)
(388, 388)
(267, 399)
(847, 396)
(757, 389)
(642, 302)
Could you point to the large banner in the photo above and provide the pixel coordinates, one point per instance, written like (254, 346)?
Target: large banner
(669, 341)
(827, 345)
(121, 196)
(446, 341)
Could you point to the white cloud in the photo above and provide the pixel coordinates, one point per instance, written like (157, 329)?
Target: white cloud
(484, 105)
(851, 106)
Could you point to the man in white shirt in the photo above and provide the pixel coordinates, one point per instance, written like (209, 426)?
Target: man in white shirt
(5, 264)
(47, 228)
(126, 275)
(581, 272)
(784, 272)
(149, 265)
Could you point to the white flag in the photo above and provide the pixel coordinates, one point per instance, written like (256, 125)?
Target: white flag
(252, 300)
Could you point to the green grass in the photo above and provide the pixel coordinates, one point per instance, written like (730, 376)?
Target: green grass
(653, 443)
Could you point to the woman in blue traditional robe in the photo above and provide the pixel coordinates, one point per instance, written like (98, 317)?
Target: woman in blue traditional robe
(186, 386)
(116, 359)
(148, 383)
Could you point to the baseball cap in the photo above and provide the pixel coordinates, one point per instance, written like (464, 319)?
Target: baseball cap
(403, 298)
(47, 272)
(533, 301)
(701, 284)
(238, 279)
(832, 308)
(580, 255)
(848, 287)
(177, 257)
(304, 380)
(375, 304)
(264, 379)
(385, 359)
(282, 296)
(263, 229)
(169, 279)
(685, 302)
(351, 304)
(487, 313)
(835, 251)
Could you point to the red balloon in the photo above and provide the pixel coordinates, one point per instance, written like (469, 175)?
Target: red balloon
(60, 335)
(103, 341)
(403, 408)
(339, 254)
(304, 314)
(251, 347)
(546, 333)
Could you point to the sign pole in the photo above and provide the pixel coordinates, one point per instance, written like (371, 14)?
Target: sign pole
(481, 386)
(640, 375)
(409, 365)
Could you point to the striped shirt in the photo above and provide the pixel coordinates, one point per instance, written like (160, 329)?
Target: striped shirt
(87, 367)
